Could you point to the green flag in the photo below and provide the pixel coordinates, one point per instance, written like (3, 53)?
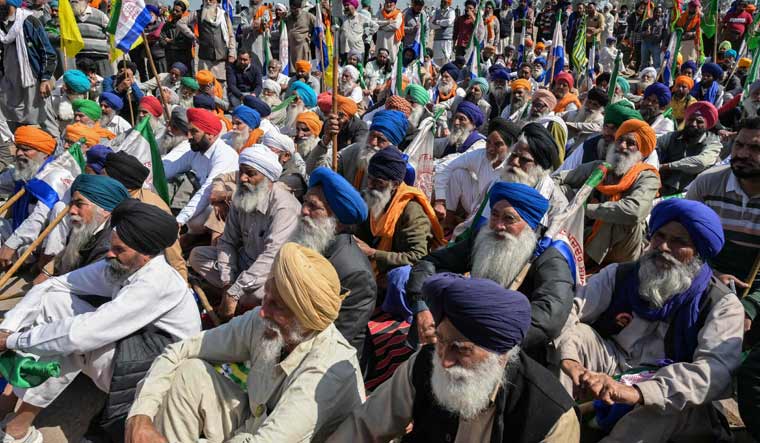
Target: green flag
(613, 78)
(26, 372)
(578, 56)
(710, 20)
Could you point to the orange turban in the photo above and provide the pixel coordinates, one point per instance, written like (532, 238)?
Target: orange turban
(684, 80)
(398, 103)
(540, 45)
(78, 131)
(642, 132)
(311, 120)
(35, 138)
(521, 83)
(204, 77)
(744, 62)
(347, 105)
(303, 65)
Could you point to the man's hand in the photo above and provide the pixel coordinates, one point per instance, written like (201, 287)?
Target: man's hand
(226, 309)
(724, 278)
(606, 389)
(6, 257)
(365, 248)
(332, 127)
(4, 340)
(440, 209)
(140, 429)
(425, 327)
(45, 88)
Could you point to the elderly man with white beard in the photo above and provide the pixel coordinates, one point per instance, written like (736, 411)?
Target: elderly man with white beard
(498, 96)
(655, 101)
(349, 84)
(330, 208)
(305, 378)
(519, 102)
(293, 166)
(75, 85)
(477, 92)
(587, 121)
(499, 251)
(261, 215)
(245, 132)
(622, 202)
(110, 105)
(306, 138)
(475, 384)
(463, 133)
(447, 88)
(150, 107)
(666, 313)
(303, 99)
(80, 319)
(274, 73)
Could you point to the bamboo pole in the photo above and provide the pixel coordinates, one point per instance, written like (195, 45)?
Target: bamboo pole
(9, 273)
(752, 275)
(158, 81)
(206, 305)
(335, 99)
(12, 200)
(129, 94)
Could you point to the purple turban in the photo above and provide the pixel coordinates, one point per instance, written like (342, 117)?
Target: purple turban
(713, 69)
(452, 70)
(689, 64)
(204, 101)
(472, 112)
(387, 164)
(498, 72)
(529, 203)
(702, 223)
(392, 124)
(489, 315)
(660, 90)
(181, 67)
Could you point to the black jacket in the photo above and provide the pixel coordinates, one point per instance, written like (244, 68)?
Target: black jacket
(355, 131)
(96, 248)
(240, 83)
(748, 384)
(356, 276)
(548, 285)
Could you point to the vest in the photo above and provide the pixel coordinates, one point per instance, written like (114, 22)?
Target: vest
(533, 403)
(446, 33)
(590, 151)
(211, 44)
(676, 149)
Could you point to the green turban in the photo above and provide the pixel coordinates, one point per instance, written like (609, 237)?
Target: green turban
(624, 85)
(480, 81)
(88, 108)
(190, 83)
(418, 94)
(619, 112)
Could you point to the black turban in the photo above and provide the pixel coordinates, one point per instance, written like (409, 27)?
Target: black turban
(506, 129)
(127, 169)
(541, 144)
(387, 164)
(145, 228)
(598, 95)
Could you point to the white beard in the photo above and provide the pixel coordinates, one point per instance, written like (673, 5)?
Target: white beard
(458, 136)
(516, 103)
(208, 13)
(467, 392)
(305, 146)
(79, 7)
(501, 258)
(346, 88)
(517, 175)
(272, 101)
(316, 234)
(364, 157)
(65, 111)
(239, 139)
(622, 163)
(25, 168)
(169, 142)
(247, 196)
(445, 89)
(418, 113)
(270, 349)
(292, 114)
(79, 236)
(658, 284)
(106, 119)
(377, 200)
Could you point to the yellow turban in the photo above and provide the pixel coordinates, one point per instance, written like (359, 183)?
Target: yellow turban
(744, 62)
(642, 132)
(78, 131)
(308, 284)
(303, 65)
(521, 83)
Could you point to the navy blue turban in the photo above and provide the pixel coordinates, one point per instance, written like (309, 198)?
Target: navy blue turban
(713, 69)
(153, 9)
(498, 72)
(258, 104)
(247, 115)
(452, 70)
(472, 112)
(96, 157)
(489, 315)
(529, 203)
(691, 65)
(112, 100)
(101, 190)
(180, 67)
(344, 200)
(702, 223)
(204, 101)
(660, 90)
(391, 123)
(387, 164)
(145, 228)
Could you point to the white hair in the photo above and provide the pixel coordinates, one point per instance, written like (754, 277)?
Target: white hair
(247, 196)
(315, 233)
(657, 284)
(501, 256)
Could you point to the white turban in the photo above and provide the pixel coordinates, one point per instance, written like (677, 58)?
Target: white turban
(263, 160)
(648, 70)
(277, 140)
(272, 86)
(280, 7)
(353, 71)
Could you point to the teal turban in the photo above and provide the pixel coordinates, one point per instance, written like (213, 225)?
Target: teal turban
(483, 83)
(77, 81)
(624, 85)
(101, 190)
(305, 92)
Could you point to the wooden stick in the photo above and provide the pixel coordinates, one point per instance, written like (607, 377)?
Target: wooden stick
(65, 62)
(335, 99)
(9, 273)
(12, 200)
(206, 305)
(129, 94)
(752, 275)
(158, 81)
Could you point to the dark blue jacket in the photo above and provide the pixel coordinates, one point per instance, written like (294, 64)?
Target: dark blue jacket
(42, 56)
(240, 83)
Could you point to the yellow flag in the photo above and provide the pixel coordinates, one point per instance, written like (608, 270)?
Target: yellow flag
(71, 39)
(329, 73)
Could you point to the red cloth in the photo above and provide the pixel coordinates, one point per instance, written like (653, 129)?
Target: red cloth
(152, 105)
(463, 28)
(738, 21)
(204, 120)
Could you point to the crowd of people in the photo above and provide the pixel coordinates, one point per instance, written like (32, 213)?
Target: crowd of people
(457, 235)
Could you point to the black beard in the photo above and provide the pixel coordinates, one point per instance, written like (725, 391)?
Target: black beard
(5, 11)
(692, 133)
(201, 146)
(745, 168)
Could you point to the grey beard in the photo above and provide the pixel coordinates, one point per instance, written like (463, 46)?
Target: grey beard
(169, 142)
(247, 196)
(116, 272)
(208, 13)
(346, 88)
(458, 136)
(79, 236)
(377, 200)
(622, 163)
(79, 7)
(516, 103)
(293, 112)
(444, 89)
(25, 169)
(271, 100)
(316, 234)
(305, 146)
(364, 157)
(239, 138)
(501, 258)
(270, 350)
(106, 119)
(658, 284)
(418, 113)
(517, 175)
(498, 94)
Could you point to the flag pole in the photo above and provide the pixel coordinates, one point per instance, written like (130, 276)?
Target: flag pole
(322, 51)
(155, 75)
(129, 94)
(63, 51)
(717, 34)
(12, 200)
(335, 99)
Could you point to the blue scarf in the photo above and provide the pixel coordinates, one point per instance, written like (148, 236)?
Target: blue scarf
(682, 308)
(20, 210)
(711, 95)
(470, 140)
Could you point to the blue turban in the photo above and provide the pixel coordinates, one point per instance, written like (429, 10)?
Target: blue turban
(472, 112)
(153, 9)
(53, 4)
(204, 101)
(702, 223)
(540, 60)
(713, 69)
(101, 190)
(452, 70)
(112, 100)
(248, 116)
(180, 67)
(528, 202)
(689, 64)
(387, 164)
(76, 80)
(660, 90)
(344, 200)
(730, 53)
(96, 157)
(499, 72)
(15, 3)
(391, 123)
(489, 315)
(305, 92)
(258, 104)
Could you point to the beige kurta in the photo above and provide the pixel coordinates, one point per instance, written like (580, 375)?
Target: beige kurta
(386, 34)
(300, 28)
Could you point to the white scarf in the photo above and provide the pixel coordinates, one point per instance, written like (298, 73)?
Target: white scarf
(222, 23)
(16, 33)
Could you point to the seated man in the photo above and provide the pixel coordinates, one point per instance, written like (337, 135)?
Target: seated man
(306, 138)
(518, 107)
(352, 128)
(303, 74)
(331, 207)
(653, 105)
(88, 113)
(402, 226)
(498, 252)
(208, 157)
(307, 376)
(709, 88)
(261, 215)
(78, 131)
(666, 311)
(563, 87)
(132, 289)
(243, 77)
(110, 105)
(93, 198)
(293, 167)
(587, 121)
(245, 128)
(151, 107)
(464, 133)
(618, 209)
(475, 384)
(686, 153)
(128, 171)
